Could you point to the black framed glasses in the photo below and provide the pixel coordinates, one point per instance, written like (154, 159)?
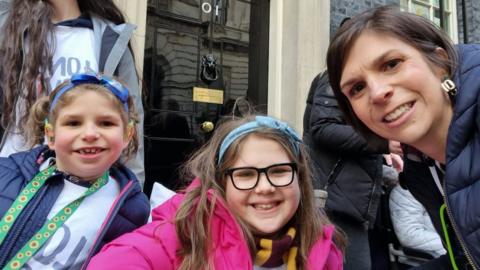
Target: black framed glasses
(278, 175)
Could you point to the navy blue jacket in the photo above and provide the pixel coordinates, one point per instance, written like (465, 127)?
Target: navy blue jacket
(462, 176)
(130, 210)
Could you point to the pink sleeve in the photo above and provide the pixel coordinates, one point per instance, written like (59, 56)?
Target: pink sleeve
(120, 257)
(324, 254)
(136, 250)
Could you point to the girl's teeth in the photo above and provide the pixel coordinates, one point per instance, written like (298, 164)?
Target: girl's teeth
(265, 206)
(88, 151)
(398, 112)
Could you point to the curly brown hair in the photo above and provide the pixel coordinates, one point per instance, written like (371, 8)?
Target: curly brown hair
(23, 69)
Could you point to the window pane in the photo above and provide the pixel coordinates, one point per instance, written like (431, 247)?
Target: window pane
(436, 17)
(447, 27)
(421, 10)
(436, 3)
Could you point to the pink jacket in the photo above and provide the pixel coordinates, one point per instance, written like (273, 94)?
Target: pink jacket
(154, 245)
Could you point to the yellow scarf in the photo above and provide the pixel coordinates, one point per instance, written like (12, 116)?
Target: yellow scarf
(276, 252)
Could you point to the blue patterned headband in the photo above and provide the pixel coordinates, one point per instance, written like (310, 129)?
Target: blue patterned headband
(114, 86)
(260, 122)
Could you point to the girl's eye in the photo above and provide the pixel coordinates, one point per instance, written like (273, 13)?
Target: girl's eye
(356, 88)
(391, 64)
(107, 123)
(72, 123)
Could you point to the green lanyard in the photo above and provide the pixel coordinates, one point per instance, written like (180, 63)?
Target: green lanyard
(443, 209)
(49, 228)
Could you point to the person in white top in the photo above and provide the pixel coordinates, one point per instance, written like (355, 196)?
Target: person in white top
(412, 224)
(46, 42)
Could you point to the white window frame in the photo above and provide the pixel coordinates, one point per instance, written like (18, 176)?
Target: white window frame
(406, 5)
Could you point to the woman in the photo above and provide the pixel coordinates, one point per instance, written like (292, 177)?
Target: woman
(46, 42)
(396, 77)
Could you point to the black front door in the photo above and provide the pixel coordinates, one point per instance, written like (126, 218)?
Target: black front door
(200, 57)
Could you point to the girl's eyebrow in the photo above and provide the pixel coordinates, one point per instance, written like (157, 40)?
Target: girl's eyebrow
(375, 62)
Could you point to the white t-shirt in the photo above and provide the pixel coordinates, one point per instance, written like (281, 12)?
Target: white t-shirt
(74, 53)
(69, 246)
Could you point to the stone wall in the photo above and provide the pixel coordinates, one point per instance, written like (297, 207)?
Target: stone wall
(473, 21)
(339, 9)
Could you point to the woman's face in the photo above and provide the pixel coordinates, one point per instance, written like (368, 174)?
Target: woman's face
(393, 90)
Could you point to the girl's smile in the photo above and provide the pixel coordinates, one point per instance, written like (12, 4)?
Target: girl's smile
(89, 135)
(266, 209)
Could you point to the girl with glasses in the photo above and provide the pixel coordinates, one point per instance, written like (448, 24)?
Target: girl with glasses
(251, 206)
(59, 204)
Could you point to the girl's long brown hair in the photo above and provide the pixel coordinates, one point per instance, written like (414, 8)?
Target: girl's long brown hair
(21, 66)
(192, 218)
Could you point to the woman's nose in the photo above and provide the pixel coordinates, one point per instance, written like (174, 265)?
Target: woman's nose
(380, 91)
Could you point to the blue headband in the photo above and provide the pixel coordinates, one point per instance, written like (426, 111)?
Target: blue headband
(114, 86)
(260, 122)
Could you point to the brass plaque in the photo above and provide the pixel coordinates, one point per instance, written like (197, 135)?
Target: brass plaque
(207, 95)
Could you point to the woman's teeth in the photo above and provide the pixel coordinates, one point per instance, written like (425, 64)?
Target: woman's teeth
(398, 112)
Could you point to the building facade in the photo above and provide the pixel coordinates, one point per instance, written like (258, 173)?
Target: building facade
(198, 57)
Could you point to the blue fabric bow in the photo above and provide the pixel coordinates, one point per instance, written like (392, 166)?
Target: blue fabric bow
(260, 122)
(120, 91)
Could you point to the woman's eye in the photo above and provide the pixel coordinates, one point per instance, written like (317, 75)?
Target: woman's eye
(391, 64)
(356, 88)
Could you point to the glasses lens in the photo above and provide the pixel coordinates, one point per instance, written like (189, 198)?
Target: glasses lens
(280, 175)
(244, 178)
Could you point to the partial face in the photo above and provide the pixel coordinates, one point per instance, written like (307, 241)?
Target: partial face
(265, 209)
(88, 136)
(393, 90)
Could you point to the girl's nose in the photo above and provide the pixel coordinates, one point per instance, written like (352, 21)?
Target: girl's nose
(90, 132)
(380, 91)
(264, 186)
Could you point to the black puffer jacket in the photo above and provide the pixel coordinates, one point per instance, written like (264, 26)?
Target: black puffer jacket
(355, 192)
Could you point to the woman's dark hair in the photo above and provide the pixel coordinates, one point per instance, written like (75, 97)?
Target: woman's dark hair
(23, 69)
(414, 30)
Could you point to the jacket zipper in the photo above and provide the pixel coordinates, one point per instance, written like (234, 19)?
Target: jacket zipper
(370, 202)
(372, 193)
(21, 225)
(126, 191)
(457, 234)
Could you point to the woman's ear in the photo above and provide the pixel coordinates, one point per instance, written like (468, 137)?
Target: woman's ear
(444, 55)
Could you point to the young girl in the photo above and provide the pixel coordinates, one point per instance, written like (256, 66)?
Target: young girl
(45, 42)
(396, 75)
(250, 207)
(60, 204)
